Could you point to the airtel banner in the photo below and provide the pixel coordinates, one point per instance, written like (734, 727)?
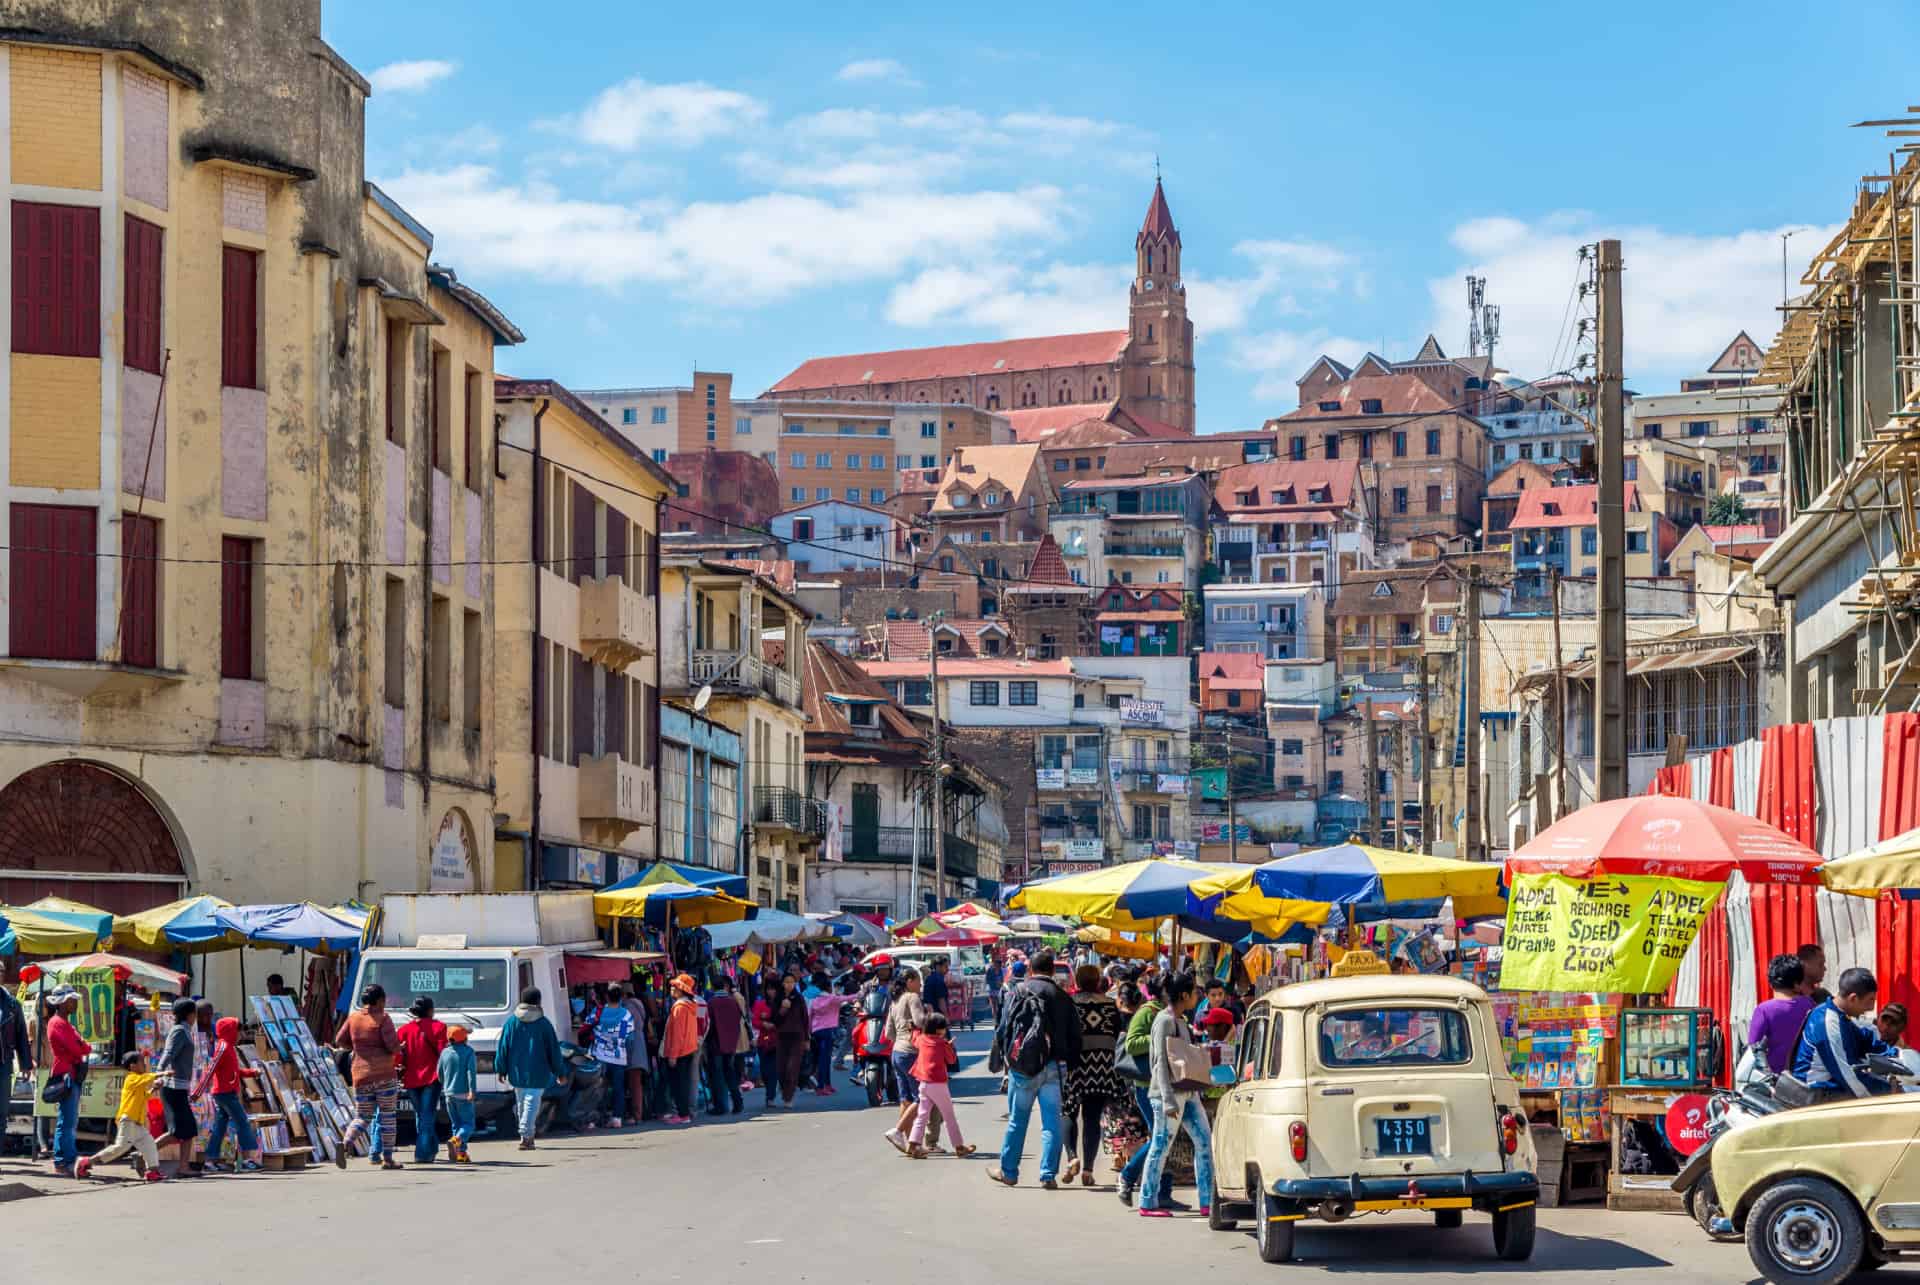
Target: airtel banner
(1687, 1123)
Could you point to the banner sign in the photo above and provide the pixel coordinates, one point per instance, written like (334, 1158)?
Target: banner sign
(1617, 933)
(1150, 713)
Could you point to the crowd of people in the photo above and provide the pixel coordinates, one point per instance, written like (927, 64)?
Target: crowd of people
(1819, 1035)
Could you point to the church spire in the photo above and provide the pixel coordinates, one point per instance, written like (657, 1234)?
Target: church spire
(1158, 225)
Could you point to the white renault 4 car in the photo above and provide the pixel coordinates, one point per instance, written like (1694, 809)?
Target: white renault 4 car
(1363, 1095)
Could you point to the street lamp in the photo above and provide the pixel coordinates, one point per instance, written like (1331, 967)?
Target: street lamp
(1784, 298)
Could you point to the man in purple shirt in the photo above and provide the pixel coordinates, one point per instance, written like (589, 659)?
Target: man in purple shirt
(1778, 1020)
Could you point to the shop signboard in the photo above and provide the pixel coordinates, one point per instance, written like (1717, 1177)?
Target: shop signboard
(1054, 869)
(1616, 933)
(1091, 850)
(1221, 832)
(1170, 783)
(99, 1093)
(1144, 713)
(1050, 778)
(1083, 776)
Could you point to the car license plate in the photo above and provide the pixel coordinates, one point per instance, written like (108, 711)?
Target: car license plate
(1405, 1135)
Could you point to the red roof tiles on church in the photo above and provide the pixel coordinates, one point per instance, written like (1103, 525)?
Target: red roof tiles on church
(904, 365)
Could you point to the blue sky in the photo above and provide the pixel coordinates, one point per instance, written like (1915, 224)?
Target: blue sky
(643, 188)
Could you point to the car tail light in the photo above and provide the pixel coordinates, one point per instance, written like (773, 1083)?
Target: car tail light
(1297, 1139)
(1510, 1126)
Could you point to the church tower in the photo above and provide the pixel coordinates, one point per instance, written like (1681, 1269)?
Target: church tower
(1156, 377)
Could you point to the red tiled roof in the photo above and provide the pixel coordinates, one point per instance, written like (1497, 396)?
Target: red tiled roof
(1304, 477)
(984, 667)
(1048, 571)
(1504, 482)
(1397, 395)
(1159, 220)
(1156, 428)
(903, 365)
(1086, 432)
(1230, 664)
(909, 639)
(1563, 506)
(781, 573)
(1210, 451)
(830, 672)
(1745, 533)
(1032, 423)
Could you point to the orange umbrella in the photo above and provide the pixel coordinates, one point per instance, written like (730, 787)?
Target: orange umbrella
(1661, 835)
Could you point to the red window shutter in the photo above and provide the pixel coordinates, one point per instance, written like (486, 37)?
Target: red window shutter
(239, 318)
(143, 270)
(236, 607)
(613, 739)
(51, 598)
(139, 591)
(582, 707)
(56, 279)
(584, 543)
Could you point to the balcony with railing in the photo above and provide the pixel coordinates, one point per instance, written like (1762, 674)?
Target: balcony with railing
(1147, 548)
(1148, 776)
(776, 807)
(617, 625)
(616, 798)
(737, 673)
(897, 845)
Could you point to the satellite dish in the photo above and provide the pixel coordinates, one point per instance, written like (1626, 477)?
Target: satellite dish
(702, 697)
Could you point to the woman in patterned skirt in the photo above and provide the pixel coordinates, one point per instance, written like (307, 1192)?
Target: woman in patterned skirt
(1092, 1083)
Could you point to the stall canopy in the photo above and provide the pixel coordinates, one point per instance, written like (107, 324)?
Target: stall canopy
(296, 924)
(854, 929)
(584, 967)
(179, 925)
(142, 973)
(673, 872)
(1039, 925)
(36, 932)
(1889, 866)
(1136, 895)
(1664, 835)
(77, 913)
(769, 928)
(1367, 882)
(653, 903)
(959, 937)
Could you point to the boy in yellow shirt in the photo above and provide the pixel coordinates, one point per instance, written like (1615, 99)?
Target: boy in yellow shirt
(131, 1120)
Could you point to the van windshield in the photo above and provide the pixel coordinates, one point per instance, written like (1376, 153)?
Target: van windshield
(1396, 1037)
(455, 981)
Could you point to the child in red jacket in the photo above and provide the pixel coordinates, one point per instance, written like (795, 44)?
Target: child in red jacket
(934, 1058)
(222, 1078)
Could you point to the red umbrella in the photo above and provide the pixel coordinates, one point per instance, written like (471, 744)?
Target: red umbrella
(1660, 835)
(957, 937)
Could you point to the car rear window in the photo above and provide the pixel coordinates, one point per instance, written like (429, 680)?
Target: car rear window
(1364, 1037)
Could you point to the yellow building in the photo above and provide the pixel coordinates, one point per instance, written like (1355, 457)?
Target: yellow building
(580, 572)
(732, 631)
(245, 452)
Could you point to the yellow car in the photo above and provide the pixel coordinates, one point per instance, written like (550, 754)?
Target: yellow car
(1364, 1095)
(1825, 1191)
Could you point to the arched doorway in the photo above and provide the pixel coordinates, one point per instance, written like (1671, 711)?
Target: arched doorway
(84, 831)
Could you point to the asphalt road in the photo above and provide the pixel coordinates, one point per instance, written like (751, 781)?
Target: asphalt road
(812, 1195)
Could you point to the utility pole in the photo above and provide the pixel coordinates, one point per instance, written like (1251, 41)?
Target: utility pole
(939, 766)
(1373, 775)
(1610, 618)
(1426, 762)
(1559, 708)
(1400, 785)
(1470, 710)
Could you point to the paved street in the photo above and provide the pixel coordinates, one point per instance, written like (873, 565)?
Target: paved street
(808, 1196)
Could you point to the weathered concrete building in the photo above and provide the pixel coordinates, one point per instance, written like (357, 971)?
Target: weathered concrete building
(246, 451)
(577, 655)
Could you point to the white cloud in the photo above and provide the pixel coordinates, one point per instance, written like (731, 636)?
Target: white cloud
(1279, 357)
(410, 77)
(1685, 295)
(733, 252)
(474, 140)
(634, 113)
(1061, 298)
(881, 69)
(856, 147)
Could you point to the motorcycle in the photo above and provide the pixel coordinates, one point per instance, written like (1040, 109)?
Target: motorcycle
(872, 1057)
(574, 1101)
(1727, 1110)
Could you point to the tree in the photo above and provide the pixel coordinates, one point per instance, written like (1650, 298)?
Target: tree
(1727, 509)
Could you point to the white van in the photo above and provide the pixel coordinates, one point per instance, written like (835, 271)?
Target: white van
(969, 961)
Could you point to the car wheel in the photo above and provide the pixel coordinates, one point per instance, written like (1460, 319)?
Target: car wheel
(1806, 1231)
(1220, 1214)
(1272, 1231)
(1448, 1219)
(1513, 1233)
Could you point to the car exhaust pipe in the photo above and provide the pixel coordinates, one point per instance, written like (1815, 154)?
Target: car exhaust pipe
(1336, 1211)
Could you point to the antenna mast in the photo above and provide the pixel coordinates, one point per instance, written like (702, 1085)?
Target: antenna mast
(1476, 299)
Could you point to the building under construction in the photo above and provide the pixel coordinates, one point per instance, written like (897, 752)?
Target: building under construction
(1847, 567)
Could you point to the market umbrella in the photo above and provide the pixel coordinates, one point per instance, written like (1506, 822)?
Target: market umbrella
(76, 912)
(688, 905)
(1136, 895)
(1117, 942)
(292, 924)
(179, 925)
(983, 924)
(1654, 834)
(967, 910)
(141, 972)
(1892, 865)
(39, 932)
(1354, 874)
(959, 937)
(674, 872)
(1044, 925)
(857, 929)
(769, 928)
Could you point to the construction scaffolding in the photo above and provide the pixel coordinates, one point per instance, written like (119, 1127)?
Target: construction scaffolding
(1847, 360)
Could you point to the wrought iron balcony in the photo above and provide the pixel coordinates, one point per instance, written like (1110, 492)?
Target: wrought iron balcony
(895, 845)
(778, 808)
